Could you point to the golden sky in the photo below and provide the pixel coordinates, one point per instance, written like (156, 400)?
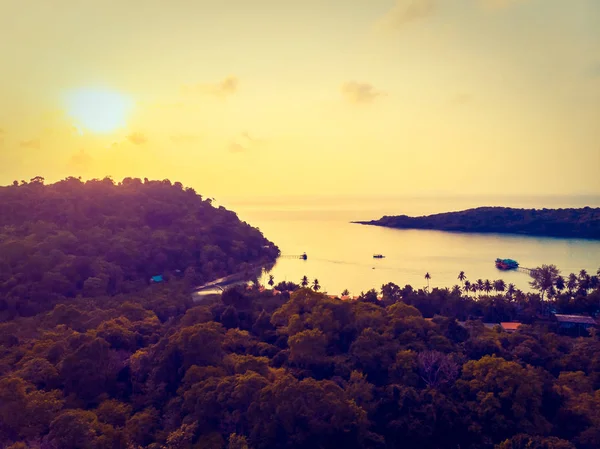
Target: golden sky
(252, 97)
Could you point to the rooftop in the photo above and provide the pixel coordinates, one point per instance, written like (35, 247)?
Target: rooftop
(510, 326)
(578, 319)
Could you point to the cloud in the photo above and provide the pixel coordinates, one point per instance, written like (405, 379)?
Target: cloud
(183, 138)
(137, 138)
(33, 143)
(224, 88)
(80, 161)
(360, 92)
(405, 11)
(235, 147)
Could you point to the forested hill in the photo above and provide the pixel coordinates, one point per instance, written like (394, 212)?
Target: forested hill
(572, 223)
(100, 238)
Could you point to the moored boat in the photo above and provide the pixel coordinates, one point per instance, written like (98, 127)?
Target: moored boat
(506, 264)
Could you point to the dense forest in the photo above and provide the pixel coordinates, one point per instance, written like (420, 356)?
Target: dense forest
(573, 223)
(96, 238)
(122, 363)
(268, 369)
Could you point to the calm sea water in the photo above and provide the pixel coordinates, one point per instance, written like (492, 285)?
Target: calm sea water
(340, 254)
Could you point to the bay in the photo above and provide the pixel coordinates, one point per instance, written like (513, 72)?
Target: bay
(340, 253)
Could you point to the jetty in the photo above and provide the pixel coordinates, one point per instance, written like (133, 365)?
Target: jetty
(302, 256)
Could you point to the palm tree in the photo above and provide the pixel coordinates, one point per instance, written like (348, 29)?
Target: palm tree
(474, 287)
(487, 286)
(571, 282)
(560, 283)
(345, 292)
(271, 280)
(304, 281)
(462, 277)
(511, 290)
(499, 286)
(467, 287)
(316, 287)
(544, 278)
(427, 276)
(479, 285)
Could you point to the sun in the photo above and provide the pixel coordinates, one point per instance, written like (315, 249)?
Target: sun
(98, 110)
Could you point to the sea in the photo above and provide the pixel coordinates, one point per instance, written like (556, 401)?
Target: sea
(340, 253)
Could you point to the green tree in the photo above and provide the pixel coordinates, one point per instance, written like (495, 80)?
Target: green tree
(544, 278)
(535, 442)
(560, 283)
(304, 281)
(499, 285)
(316, 286)
(571, 282)
(487, 286)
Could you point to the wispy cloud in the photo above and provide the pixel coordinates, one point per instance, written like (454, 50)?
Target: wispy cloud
(137, 138)
(33, 143)
(224, 88)
(405, 11)
(360, 93)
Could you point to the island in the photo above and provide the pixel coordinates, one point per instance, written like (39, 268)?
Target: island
(566, 223)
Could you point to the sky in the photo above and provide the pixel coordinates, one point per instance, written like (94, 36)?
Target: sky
(261, 97)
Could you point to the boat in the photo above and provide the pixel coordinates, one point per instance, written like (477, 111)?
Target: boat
(506, 264)
(378, 256)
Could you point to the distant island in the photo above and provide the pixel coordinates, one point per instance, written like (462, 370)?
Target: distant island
(566, 223)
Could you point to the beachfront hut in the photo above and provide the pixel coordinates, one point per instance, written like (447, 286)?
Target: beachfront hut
(574, 323)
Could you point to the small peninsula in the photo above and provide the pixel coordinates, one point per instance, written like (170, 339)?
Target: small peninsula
(566, 223)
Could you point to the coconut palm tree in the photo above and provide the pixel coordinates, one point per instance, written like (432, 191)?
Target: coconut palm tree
(511, 290)
(544, 278)
(304, 281)
(467, 287)
(474, 287)
(479, 285)
(316, 287)
(571, 282)
(271, 280)
(560, 283)
(427, 276)
(345, 292)
(499, 286)
(462, 277)
(487, 286)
